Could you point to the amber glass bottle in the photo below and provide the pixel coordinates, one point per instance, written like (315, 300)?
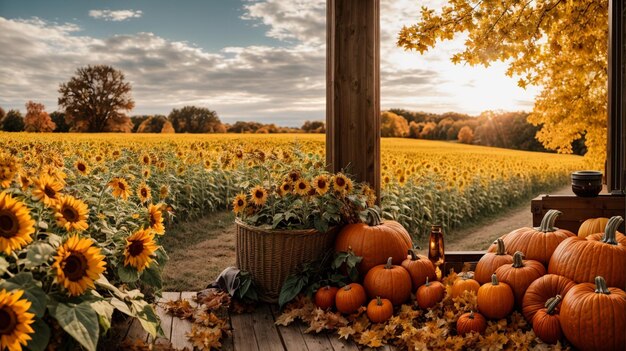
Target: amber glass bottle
(435, 246)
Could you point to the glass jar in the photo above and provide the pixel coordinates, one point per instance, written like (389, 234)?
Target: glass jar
(436, 252)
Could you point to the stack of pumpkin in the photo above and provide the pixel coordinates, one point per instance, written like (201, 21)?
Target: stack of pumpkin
(565, 285)
(582, 295)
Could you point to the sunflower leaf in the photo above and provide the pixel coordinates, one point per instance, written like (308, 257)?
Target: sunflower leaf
(80, 321)
(40, 337)
(127, 274)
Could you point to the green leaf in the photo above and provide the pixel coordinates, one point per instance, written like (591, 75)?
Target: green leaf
(80, 321)
(4, 266)
(40, 337)
(127, 274)
(121, 306)
(32, 291)
(104, 309)
(39, 253)
(291, 288)
(152, 276)
(149, 320)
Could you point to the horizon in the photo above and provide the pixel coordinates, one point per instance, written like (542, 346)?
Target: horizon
(254, 61)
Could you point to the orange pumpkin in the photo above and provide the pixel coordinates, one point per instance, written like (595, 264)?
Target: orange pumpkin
(419, 267)
(379, 310)
(389, 282)
(520, 275)
(471, 322)
(488, 264)
(464, 284)
(537, 243)
(582, 260)
(325, 297)
(592, 226)
(350, 298)
(375, 241)
(429, 294)
(593, 317)
(598, 235)
(541, 290)
(495, 300)
(546, 323)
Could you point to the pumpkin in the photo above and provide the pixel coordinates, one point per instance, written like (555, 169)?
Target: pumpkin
(592, 226)
(541, 290)
(495, 300)
(546, 323)
(599, 235)
(325, 297)
(488, 264)
(419, 267)
(379, 310)
(429, 294)
(582, 260)
(375, 241)
(536, 243)
(593, 317)
(462, 284)
(520, 275)
(350, 298)
(389, 282)
(471, 322)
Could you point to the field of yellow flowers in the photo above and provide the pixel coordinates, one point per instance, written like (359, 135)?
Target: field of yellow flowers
(81, 215)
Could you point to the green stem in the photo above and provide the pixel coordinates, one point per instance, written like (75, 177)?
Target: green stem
(104, 188)
(552, 303)
(547, 223)
(601, 287)
(610, 231)
(518, 261)
(379, 302)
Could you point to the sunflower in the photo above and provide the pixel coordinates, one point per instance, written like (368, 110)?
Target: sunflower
(120, 187)
(258, 195)
(71, 213)
(82, 167)
(370, 194)
(284, 189)
(15, 320)
(301, 187)
(341, 183)
(293, 176)
(47, 189)
(321, 184)
(239, 203)
(164, 192)
(143, 192)
(140, 248)
(25, 180)
(78, 263)
(145, 173)
(145, 159)
(8, 170)
(156, 219)
(16, 225)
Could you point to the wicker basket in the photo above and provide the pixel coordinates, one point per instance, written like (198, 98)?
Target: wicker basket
(272, 255)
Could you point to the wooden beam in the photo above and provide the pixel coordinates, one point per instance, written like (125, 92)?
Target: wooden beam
(353, 89)
(616, 154)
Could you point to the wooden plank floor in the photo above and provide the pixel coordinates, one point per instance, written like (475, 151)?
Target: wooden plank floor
(251, 332)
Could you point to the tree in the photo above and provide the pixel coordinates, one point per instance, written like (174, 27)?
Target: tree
(155, 124)
(392, 125)
(59, 119)
(13, 122)
(466, 135)
(193, 119)
(558, 45)
(314, 127)
(95, 98)
(2, 114)
(37, 119)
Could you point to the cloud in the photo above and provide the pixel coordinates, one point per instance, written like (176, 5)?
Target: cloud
(281, 84)
(115, 16)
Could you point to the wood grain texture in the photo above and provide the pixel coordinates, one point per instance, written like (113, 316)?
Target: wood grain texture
(290, 335)
(353, 89)
(166, 318)
(266, 333)
(180, 327)
(243, 332)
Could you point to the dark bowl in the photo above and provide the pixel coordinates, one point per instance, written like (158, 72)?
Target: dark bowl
(587, 183)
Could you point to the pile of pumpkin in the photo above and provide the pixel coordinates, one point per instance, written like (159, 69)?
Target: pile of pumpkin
(565, 285)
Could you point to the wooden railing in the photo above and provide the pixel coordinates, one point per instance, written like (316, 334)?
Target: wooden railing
(458, 259)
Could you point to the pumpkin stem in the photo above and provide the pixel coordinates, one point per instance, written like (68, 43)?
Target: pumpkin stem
(413, 255)
(501, 249)
(547, 223)
(601, 287)
(347, 287)
(427, 282)
(389, 264)
(552, 303)
(471, 316)
(379, 302)
(610, 230)
(373, 217)
(494, 279)
(518, 261)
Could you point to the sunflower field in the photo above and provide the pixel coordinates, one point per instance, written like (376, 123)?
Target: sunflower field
(81, 215)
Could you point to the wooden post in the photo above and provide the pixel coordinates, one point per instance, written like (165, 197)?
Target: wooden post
(353, 89)
(616, 153)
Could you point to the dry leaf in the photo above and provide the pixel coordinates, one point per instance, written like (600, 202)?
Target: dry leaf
(179, 308)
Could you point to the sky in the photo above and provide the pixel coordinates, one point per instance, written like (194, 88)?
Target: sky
(261, 60)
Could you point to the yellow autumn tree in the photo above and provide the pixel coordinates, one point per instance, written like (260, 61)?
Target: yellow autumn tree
(558, 45)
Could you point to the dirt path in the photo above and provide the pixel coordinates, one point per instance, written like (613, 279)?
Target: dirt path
(481, 236)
